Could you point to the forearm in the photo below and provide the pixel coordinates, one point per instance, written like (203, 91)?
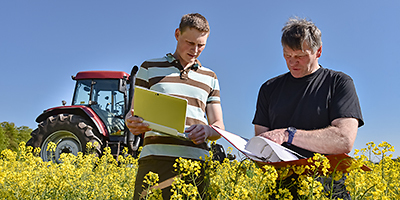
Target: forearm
(213, 134)
(337, 138)
(214, 115)
(330, 140)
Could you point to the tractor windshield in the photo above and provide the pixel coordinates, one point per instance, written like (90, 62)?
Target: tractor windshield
(104, 97)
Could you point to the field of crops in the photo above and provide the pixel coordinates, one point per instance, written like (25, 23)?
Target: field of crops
(23, 175)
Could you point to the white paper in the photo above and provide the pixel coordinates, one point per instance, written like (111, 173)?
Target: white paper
(282, 153)
(261, 144)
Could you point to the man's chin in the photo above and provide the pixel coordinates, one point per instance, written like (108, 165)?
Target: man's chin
(296, 74)
(191, 60)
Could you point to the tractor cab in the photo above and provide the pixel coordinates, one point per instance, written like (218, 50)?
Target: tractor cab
(107, 97)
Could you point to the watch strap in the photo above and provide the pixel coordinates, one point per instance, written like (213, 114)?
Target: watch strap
(291, 131)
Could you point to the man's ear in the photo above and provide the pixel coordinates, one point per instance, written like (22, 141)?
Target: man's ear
(177, 33)
(319, 52)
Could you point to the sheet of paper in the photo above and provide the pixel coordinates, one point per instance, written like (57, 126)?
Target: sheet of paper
(235, 140)
(240, 143)
(283, 153)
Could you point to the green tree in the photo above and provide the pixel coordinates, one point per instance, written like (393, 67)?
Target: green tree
(11, 136)
(3, 141)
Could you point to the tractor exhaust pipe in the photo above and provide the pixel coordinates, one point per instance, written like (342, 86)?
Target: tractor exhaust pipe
(132, 79)
(133, 140)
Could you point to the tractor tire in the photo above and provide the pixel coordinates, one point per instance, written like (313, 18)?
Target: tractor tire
(69, 132)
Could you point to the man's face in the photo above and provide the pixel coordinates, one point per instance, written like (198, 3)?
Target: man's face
(301, 63)
(190, 43)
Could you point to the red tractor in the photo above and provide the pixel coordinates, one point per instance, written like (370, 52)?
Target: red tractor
(100, 102)
(99, 105)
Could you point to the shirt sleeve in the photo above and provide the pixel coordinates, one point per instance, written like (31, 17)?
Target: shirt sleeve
(261, 116)
(214, 96)
(142, 78)
(345, 102)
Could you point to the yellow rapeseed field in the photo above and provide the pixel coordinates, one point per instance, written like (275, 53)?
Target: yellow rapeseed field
(23, 175)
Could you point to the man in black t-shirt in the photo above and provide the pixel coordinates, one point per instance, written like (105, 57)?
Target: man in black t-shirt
(310, 109)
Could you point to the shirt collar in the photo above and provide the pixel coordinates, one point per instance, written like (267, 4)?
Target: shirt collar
(171, 59)
(183, 72)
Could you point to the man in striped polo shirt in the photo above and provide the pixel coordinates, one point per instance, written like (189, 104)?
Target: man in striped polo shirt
(179, 74)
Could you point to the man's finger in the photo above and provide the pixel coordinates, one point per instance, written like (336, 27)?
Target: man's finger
(198, 129)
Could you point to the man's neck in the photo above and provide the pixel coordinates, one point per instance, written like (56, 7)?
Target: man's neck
(316, 67)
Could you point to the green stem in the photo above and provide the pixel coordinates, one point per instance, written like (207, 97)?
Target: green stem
(331, 192)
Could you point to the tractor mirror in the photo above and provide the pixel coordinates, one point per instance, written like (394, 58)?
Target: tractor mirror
(122, 86)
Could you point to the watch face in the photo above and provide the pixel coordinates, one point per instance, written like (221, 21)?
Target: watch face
(291, 130)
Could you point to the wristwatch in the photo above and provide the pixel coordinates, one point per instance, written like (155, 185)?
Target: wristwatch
(291, 130)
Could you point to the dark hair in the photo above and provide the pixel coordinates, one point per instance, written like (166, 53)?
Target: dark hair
(297, 31)
(194, 20)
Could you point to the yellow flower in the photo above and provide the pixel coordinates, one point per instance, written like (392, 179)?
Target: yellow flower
(151, 178)
(84, 176)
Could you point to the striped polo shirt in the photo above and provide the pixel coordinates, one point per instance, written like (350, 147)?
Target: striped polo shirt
(198, 84)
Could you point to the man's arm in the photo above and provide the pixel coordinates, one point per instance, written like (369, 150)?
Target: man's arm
(260, 129)
(199, 133)
(214, 115)
(337, 138)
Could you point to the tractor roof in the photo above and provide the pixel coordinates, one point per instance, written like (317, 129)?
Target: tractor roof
(100, 75)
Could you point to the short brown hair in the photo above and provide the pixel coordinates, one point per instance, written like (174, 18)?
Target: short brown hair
(297, 31)
(194, 20)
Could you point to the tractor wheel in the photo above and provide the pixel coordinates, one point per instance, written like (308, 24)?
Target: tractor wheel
(69, 132)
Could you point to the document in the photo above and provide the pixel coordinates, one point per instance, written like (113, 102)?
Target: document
(264, 151)
(259, 148)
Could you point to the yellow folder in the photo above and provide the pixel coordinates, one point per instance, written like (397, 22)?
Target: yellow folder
(165, 113)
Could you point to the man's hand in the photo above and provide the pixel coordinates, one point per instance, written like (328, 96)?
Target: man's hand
(199, 133)
(135, 124)
(278, 135)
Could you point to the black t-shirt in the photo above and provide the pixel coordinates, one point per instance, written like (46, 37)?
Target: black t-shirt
(307, 103)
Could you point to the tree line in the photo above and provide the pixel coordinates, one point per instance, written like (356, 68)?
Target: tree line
(11, 135)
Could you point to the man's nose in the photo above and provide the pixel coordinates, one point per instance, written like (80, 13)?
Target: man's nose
(292, 61)
(196, 48)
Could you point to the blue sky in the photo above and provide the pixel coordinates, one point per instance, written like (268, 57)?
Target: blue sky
(43, 43)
